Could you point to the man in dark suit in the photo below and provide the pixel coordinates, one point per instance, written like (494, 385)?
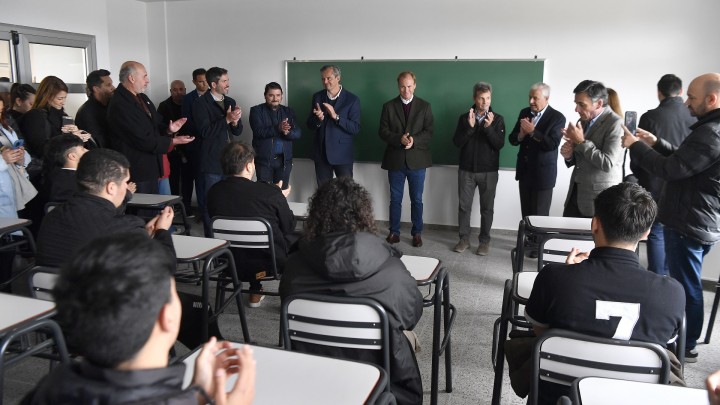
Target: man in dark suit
(217, 118)
(406, 125)
(335, 117)
(137, 131)
(538, 133)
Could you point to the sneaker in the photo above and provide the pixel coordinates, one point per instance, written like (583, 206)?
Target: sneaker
(691, 356)
(254, 300)
(461, 246)
(483, 249)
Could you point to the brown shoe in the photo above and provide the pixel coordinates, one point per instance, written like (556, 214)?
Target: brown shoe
(393, 238)
(254, 300)
(417, 241)
(483, 249)
(461, 246)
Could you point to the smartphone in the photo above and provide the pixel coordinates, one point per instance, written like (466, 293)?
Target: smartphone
(631, 121)
(18, 144)
(67, 120)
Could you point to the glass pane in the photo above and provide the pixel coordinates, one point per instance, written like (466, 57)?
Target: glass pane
(5, 69)
(62, 61)
(73, 103)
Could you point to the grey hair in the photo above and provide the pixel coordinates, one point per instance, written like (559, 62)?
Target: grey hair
(335, 69)
(542, 87)
(126, 70)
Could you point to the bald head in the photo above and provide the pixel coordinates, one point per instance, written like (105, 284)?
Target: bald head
(177, 91)
(133, 77)
(703, 94)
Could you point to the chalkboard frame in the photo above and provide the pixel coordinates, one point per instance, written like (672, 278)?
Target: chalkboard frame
(445, 83)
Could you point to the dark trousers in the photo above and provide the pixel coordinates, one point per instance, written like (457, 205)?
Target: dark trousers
(278, 170)
(147, 187)
(486, 184)
(324, 171)
(182, 177)
(571, 208)
(534, 202)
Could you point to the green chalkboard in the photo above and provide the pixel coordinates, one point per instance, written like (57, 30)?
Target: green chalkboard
(446, 84)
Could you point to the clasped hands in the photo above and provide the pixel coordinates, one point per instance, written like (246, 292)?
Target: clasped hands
(407, 141)
(472, 117)
(318, 111)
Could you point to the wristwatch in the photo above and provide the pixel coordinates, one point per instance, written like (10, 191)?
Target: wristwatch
(337, 119)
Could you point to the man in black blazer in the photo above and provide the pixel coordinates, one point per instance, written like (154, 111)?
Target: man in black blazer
(538, 133)
(406, 125)
(137, 130)
(218, 120)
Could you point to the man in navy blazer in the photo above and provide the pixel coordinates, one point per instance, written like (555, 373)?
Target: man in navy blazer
(335, 117)
(538, 133)
(274, 130)
(218, 119)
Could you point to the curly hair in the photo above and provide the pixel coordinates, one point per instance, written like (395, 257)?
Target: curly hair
(340, 205)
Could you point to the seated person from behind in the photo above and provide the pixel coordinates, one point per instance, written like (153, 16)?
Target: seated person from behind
(340, 254)
(607, 293)
(102, 180)
(238, 196)
(119, 309)
(61, 161)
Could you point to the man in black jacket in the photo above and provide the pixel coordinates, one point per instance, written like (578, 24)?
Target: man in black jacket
(137, 131)
(238, 196)
(92, 115)
(690, 204)
(217, 119)
(119, 309)
(671, 121)
(102, 180)
(480, 134)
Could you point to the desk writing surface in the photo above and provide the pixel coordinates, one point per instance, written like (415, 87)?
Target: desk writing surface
(285, 377)
(140, 199)
(299, 209)
(558, 224)
(17, 309)
(602, 391)
(194, 247)
(421, 268)
(12, 224)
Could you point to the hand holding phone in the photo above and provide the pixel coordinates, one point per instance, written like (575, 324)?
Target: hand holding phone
(631, 121)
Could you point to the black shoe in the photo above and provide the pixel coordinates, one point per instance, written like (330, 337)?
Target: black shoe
(691, 356)
(417, 241)
(393, 238)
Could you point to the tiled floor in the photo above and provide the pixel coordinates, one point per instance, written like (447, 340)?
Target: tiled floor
(476, 284)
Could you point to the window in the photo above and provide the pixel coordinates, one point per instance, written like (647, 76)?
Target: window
(27, 55)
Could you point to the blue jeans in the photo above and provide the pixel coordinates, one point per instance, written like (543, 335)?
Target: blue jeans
(684, 258)
(164, 186)
(209, 180)
(416, 185)
(656, 250)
